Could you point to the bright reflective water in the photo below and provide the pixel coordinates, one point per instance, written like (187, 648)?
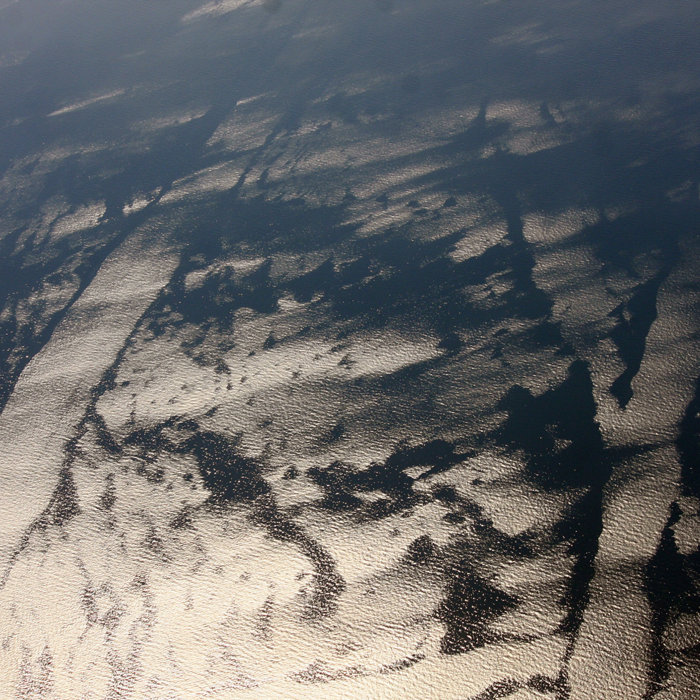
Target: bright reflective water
(349, 349)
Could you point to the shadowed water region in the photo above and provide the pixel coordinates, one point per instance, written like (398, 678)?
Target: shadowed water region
(349, 350)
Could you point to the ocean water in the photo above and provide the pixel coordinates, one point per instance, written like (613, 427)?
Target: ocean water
(349, 349)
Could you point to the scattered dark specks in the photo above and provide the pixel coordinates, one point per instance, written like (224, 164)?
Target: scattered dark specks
(154, 476)
(109, 496)
(499, 689)
(222, 368)
(64, 503)
(453, 518)
(87, 600)
(334, 434)
(402, 664)
(270, 342)
(155, 543)
(542, 684)
(446, 494)
(314, 673)
(346, 362)
(421, 549)
(110, 619)
(265, 617)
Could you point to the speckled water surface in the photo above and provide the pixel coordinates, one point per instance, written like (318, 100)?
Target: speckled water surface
(349, 349)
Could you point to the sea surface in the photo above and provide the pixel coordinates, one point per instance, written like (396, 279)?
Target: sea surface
(349, 350)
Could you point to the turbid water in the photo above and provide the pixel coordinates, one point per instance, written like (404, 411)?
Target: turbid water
(349, 350)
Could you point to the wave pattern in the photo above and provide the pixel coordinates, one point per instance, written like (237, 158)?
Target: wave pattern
(349, 350)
